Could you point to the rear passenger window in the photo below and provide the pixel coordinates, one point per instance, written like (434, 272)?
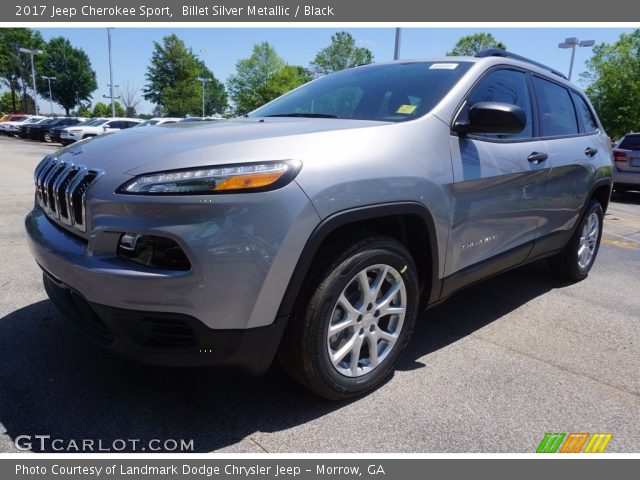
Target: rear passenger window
(505, 86)
(584, 113)
(557, 115)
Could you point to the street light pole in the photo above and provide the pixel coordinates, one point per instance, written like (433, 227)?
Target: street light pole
(204, 81)
(33, 75)
(572, 43)
(48, 79)
(113, 105)
(396, 50)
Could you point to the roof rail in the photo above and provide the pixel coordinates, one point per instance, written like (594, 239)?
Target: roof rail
(497, 52)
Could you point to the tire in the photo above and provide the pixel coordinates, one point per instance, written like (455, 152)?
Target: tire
(569, 264)
(333, 296)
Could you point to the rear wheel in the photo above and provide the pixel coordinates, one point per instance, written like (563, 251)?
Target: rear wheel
(354, 319)
(580, 253)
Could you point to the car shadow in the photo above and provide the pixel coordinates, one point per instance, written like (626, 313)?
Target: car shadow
(53, 382)
(632, 198)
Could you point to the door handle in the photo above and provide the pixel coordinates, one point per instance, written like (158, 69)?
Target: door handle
(590, 151)
(537, 157)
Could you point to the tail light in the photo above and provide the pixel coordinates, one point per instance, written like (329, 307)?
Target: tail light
(619, 156)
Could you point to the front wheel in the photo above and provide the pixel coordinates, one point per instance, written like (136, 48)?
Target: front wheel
(575, 261)
(354, 319)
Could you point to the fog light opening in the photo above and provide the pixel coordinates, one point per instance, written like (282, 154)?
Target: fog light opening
(153, 251)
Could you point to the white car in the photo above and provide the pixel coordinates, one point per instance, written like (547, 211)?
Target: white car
(96, 127)
(11, 128)
(158, 121)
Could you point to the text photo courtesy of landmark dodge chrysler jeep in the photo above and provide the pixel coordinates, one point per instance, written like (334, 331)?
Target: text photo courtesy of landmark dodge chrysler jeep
(316, 228)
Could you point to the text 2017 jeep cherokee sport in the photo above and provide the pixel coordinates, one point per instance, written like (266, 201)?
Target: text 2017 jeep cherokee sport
(318, 226)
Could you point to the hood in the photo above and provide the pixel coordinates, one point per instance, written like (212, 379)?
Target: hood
(182, 145)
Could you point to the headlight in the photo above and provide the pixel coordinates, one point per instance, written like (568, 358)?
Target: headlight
(249, 177)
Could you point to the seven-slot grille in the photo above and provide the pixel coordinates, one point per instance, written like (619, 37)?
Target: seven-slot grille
(61, 189)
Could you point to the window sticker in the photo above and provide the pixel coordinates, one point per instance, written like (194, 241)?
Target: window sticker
(443, 66)
(406, 109)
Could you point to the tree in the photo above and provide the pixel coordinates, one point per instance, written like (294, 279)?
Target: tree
(9, 99)
(101, 110)
(172, 81)
(261, 78)
(84, 112)
(472, 44)
(613, 73)
(340, 54)
(75, 79)
(130, 98)
(15, 67)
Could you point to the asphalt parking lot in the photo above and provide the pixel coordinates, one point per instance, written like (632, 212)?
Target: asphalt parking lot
(491, 370)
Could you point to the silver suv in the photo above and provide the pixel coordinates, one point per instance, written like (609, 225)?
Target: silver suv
(317, 227)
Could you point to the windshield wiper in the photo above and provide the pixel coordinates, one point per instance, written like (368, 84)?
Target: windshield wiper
(305, 115)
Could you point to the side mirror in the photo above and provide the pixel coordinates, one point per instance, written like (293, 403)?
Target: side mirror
(491, 117)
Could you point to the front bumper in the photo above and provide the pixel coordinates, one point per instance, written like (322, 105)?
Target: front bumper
(242, 249)
(167, 339)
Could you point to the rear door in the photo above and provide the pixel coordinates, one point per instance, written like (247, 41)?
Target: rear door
(499, 182)
(575, 146)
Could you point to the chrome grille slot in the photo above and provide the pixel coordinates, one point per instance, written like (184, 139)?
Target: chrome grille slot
(50, 181)
(77, 204)
(61, 190)
(41, 178)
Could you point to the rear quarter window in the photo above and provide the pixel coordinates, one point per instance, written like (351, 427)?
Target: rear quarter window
(585, 114)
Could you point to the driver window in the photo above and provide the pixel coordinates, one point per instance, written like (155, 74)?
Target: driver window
(505, 86)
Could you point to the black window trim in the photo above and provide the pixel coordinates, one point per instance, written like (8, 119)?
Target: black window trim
(485, 74)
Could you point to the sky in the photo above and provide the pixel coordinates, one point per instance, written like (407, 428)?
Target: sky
(221, 48)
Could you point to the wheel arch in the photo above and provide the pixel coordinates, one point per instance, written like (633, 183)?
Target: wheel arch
(409, 222)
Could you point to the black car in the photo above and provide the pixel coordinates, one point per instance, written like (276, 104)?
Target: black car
(39, 131)
(52, 135)
(25, 130)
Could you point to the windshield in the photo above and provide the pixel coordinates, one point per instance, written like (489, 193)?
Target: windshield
(389, 93)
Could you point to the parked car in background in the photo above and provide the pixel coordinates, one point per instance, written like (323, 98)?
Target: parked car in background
(202, 119)
(14, 116)
(25, 130)
(97, 127)
(626, 156)
(158, 121)
(38, 131)
(120, 124)
(52, 135)
(12, 127)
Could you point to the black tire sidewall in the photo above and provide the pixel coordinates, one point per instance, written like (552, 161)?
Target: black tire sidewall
(572, 257)
(332, 287)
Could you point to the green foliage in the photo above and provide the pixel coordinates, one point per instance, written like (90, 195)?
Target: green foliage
(75, 79)
(101, 109)
(340, 54)
(261, 78)
(6, 103)
(15, 67)
(614, 76)
(472, 44)
(172, 81)
(84, 112)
